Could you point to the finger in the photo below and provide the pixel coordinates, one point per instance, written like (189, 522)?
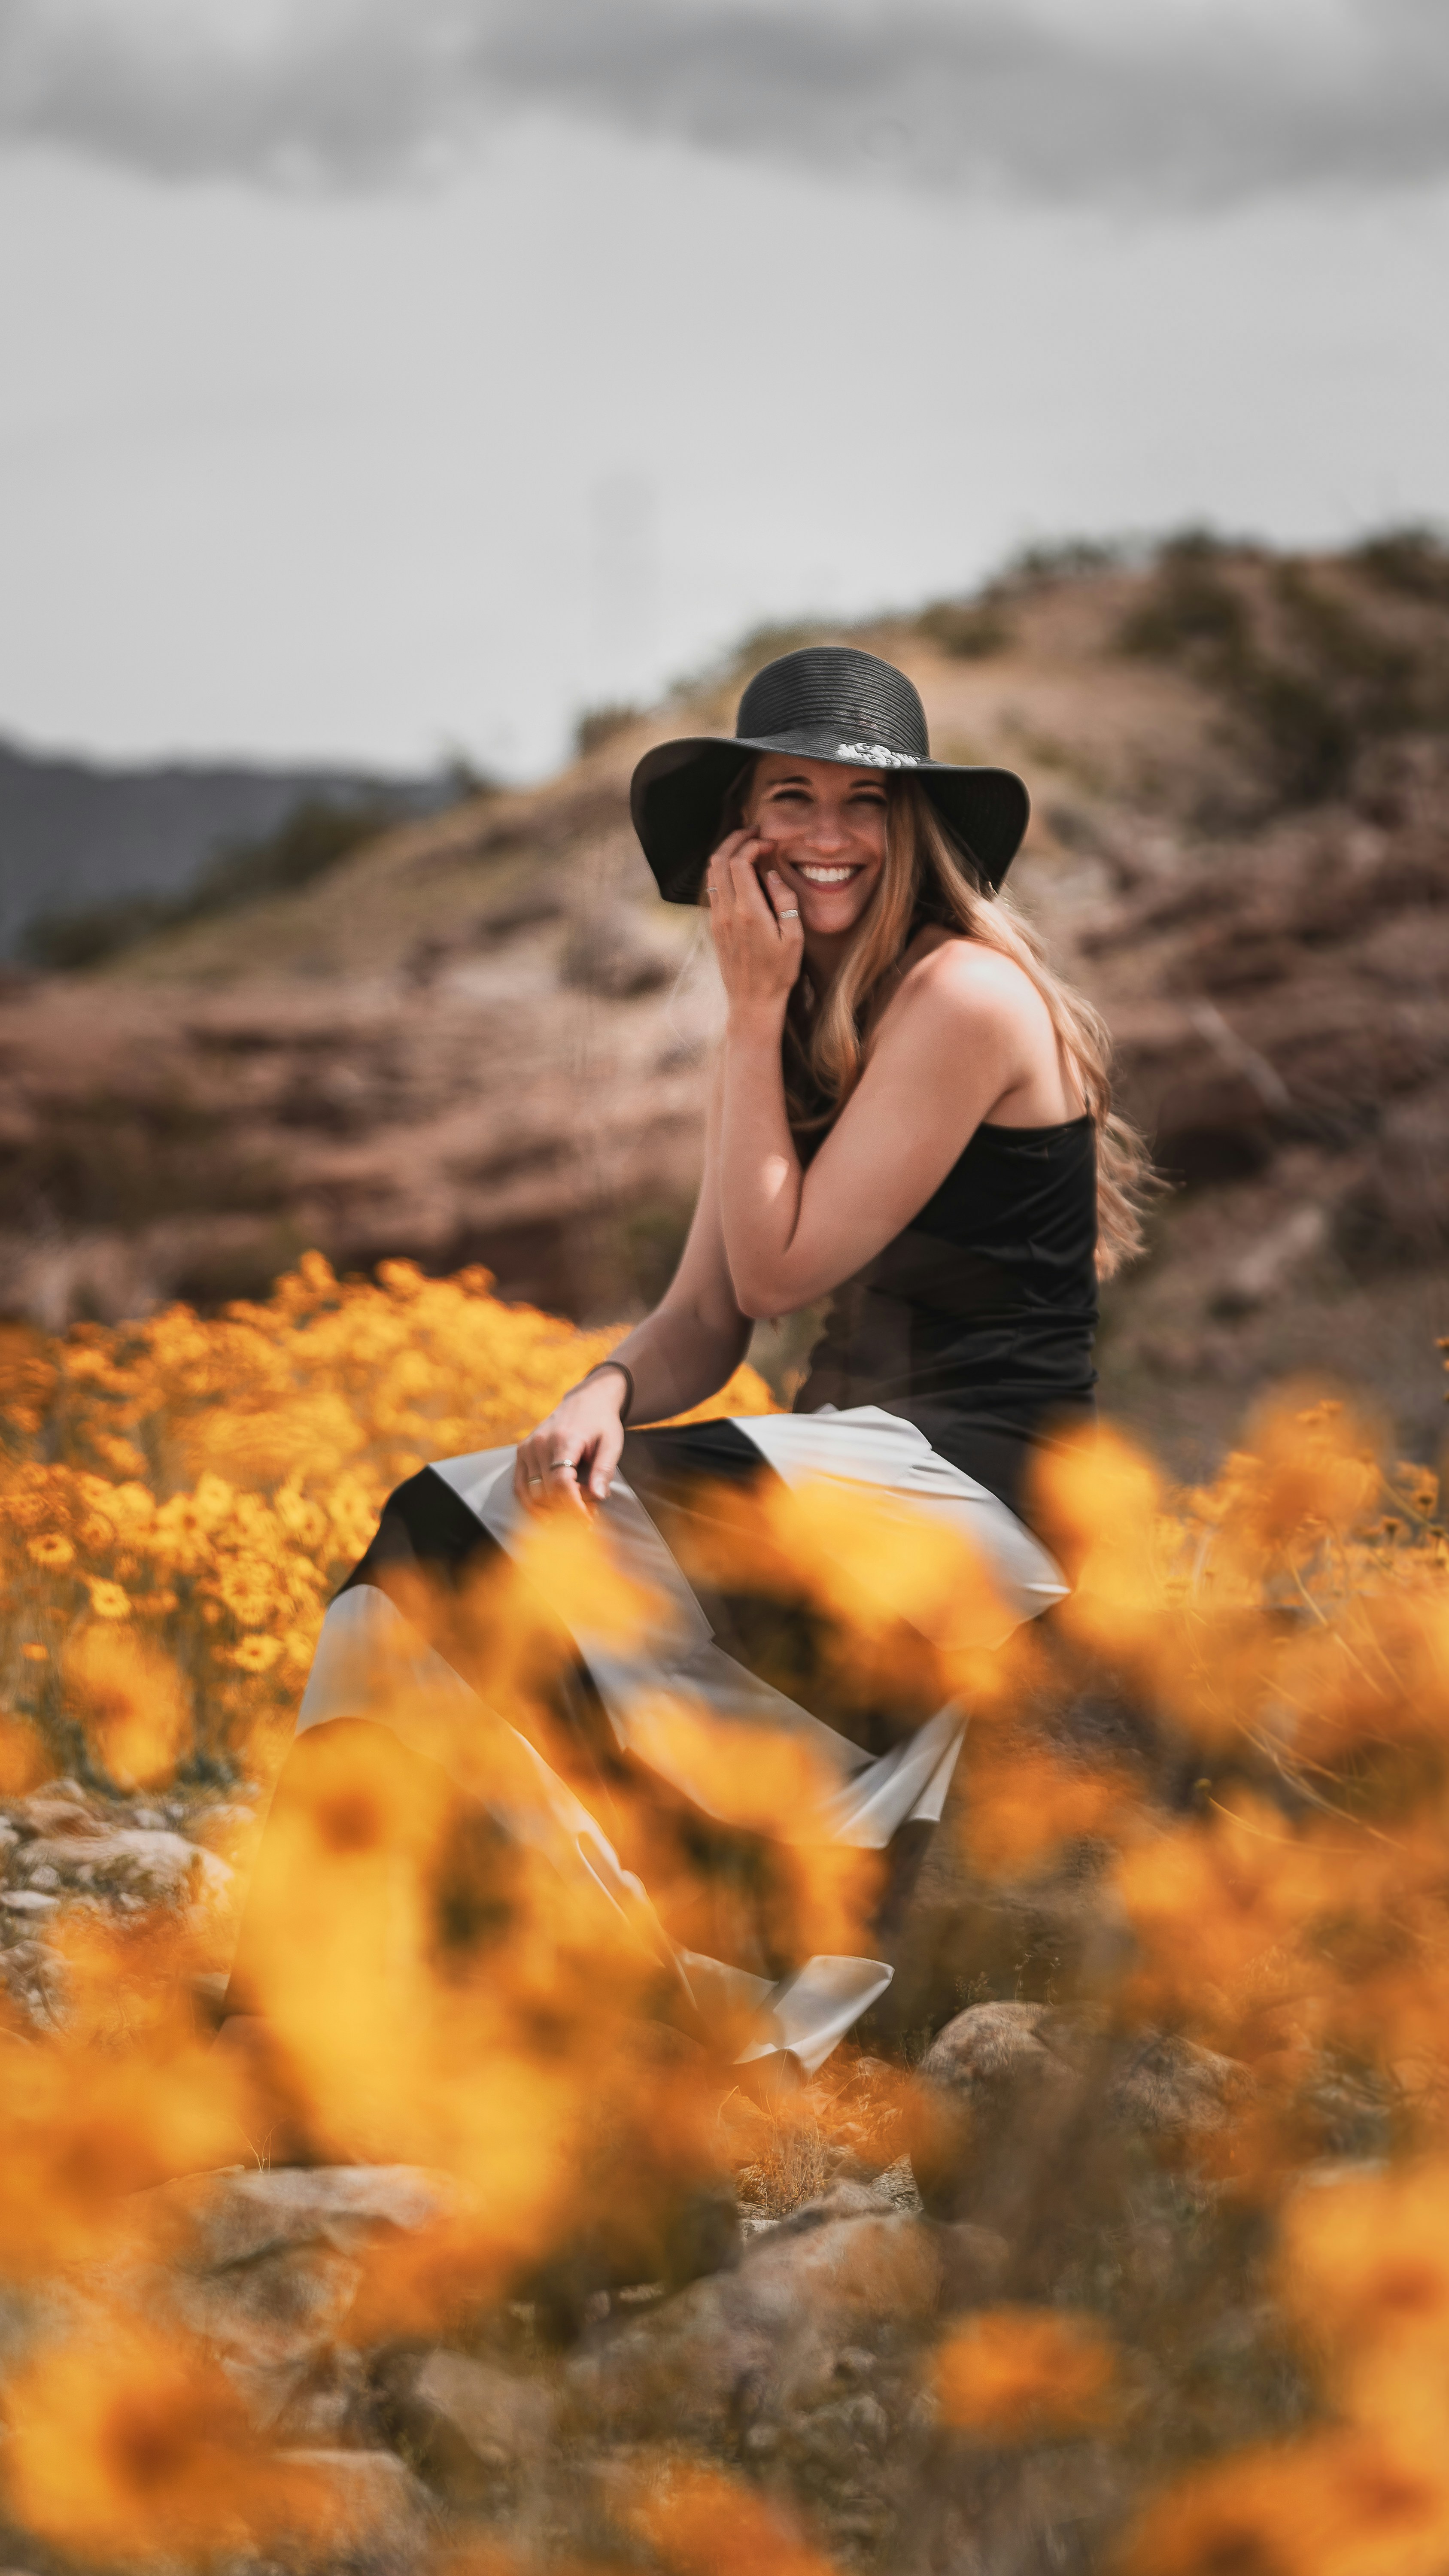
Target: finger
(749, 893)
(607, 1453)
(786, 913)
(733, 842)
(719, 875)
(529, 1483)
(562, 1482)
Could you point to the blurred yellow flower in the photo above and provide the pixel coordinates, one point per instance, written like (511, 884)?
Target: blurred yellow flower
(1018, 2374)
(109, 1600)
(54, 1553)
(256, 1654)
(130, 1701)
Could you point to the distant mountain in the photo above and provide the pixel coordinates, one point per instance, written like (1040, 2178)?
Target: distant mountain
(78, 833)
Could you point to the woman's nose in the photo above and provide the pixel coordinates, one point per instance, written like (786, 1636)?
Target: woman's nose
(827, 830)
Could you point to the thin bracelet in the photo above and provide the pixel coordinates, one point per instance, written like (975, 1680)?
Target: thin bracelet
(626, 1374)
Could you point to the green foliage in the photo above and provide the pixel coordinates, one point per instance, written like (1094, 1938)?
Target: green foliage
(65, 943)
(1190, 604)
(1311, 680)
(316, 836)
(1041, 566)
(1414, 561)
(598, 725)
(969, 629)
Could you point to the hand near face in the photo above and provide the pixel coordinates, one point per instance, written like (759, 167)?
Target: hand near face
(755, 925)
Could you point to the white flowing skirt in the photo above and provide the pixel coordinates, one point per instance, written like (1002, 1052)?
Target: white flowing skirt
(677, 1660)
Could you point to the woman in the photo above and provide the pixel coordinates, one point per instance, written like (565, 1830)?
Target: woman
(910, 1118)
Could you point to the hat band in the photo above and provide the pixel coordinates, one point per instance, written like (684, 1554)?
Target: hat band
(875, 755)
(821, 742)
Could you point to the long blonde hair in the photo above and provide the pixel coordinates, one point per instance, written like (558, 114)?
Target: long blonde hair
(928, 878)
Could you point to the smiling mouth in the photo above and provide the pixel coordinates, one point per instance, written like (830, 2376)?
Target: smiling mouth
(824, 876)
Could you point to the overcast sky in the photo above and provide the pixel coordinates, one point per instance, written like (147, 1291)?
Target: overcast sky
(387, 376)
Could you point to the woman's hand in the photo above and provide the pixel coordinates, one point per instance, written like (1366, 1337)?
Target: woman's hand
(569, 1461)
(757, 934)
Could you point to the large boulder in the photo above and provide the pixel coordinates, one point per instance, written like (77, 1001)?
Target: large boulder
(475, 2432)
(265, 2267)
(762, 2341)
(1021, 2106)
(372, 2513)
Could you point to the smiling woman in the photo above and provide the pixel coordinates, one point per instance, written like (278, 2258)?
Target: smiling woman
(911, 1117)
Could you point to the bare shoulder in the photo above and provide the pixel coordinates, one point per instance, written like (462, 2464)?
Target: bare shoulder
(960, 981)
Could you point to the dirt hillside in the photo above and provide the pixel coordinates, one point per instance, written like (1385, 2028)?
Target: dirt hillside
(480, 1038)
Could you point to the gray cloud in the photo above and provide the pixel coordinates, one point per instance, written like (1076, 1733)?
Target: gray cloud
(1191, 109)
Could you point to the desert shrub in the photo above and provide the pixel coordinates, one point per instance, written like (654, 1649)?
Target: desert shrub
(1413, 561)
(316, 837)
(598, 725)
(1048, 561)
(969, 629)
(1190, 604)
(65, 943)
(1310, 683)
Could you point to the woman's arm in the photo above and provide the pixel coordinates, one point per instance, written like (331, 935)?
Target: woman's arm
(964, 1030)
(682, 1353)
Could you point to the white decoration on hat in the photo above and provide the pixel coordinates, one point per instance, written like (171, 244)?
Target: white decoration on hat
(874, 755)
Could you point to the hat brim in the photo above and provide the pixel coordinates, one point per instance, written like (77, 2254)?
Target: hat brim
(678, 788)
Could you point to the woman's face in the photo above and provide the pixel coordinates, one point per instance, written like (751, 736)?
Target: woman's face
(827, 828)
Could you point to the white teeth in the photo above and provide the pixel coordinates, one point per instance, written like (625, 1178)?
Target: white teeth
(826, 876)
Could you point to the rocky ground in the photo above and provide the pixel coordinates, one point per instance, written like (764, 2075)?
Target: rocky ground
(480, 1039)
(1030, 2157)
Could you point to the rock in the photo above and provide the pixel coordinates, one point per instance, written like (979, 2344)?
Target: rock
(28, 1900)
(140, 1862)
(755, 2342)
(1168, 2087)
(215, 2221)
(60, 1807)
(843, 2200)
(375, 2513)
(973, 2264)
(1019, 2100)
(990, 2086)
(278, 2309)
(1018, 2514)
(265, 2267)
(470, 2428)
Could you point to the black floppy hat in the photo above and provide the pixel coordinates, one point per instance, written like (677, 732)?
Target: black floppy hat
(828, 702)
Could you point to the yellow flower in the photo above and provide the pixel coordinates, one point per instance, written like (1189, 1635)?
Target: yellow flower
(249, 1590)
(256, 1654)
(1018, 2374)
(130, 1701)
(34, 1654)
(110, 1600)
(53, 1552)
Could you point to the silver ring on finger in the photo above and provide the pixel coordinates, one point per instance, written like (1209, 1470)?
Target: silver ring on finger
(535, 1480)
(789, 914)
(562, 1467)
